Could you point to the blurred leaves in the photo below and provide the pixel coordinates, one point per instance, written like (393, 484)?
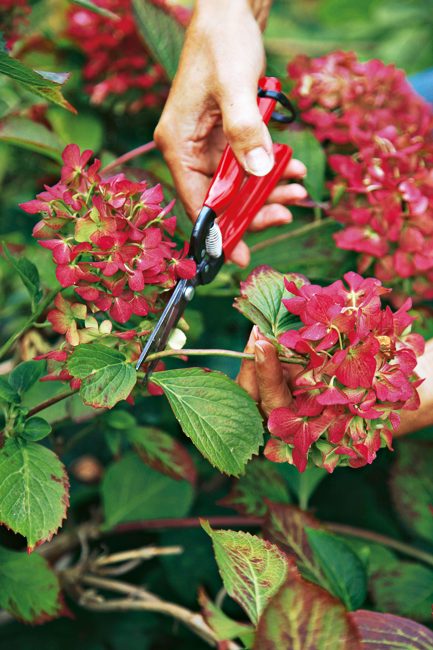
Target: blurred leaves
(27, 134)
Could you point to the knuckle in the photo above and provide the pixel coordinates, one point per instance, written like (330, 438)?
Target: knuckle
(242, 130)
(161, 135)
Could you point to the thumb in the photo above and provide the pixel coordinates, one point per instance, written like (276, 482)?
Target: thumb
(246, 132)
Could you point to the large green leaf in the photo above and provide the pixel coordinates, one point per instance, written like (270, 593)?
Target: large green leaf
(261, 482)
(26, 374)
(307, 148)
(30, 135)
(7, 393)
(107, 375)
(131, 491)
(84, 129)
(412, 487)
(47, 85)
(34, 492)
(390, 632)
(251, 568)
(162, 33)
(403, 588)
(344, 573)
(29, 589)
(261, 302)
(304, 616)
(220, 417)
(162, 452)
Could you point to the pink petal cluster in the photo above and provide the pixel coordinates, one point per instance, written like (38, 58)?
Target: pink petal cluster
(118, 66)
(111, 239)
(357, 364)
(377, 134)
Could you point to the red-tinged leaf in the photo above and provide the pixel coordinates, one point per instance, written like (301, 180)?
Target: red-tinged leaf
(251, 568)
(412, 487)
(286, 526)
(303, 615)
(162, 452)
(30, 589)
(224, 627)
(34, 490)
(403, 588)
(379, 631)
(261, 483)
(278, 451)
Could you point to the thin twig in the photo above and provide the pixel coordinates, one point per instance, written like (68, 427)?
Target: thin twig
(50, 402)
(142, 600)
(130, 155)
(288, 235)
(188, 522)
(199, 352)
(146, 553)
(400, 547)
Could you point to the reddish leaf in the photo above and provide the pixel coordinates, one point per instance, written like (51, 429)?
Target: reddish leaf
(303, 615)
(391, 632)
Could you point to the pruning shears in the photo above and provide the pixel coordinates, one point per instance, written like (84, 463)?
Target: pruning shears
(233, 199)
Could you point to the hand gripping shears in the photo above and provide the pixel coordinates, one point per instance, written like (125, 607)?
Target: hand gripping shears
(233, 199)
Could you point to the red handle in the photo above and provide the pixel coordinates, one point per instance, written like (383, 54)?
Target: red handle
(229, 175)
(242, 210)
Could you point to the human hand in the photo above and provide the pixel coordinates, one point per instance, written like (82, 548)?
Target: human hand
(414, 420)
(213, 101)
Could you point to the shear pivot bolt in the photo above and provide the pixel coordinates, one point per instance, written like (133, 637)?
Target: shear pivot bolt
(189, 293)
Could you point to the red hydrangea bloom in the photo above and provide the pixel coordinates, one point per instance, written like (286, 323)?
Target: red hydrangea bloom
(377, 133)
(118, 66)
(110, 240)
(357, 364)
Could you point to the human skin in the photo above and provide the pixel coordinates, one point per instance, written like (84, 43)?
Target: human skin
(268, 382)
(213, 101)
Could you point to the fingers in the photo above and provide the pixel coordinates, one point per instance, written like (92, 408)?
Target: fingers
(288, 193)
(241, 255)
(270, 215)
(247, 375)
(271, 382)
(295, 169)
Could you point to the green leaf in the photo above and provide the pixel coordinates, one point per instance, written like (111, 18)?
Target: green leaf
(28, 273)
(379, 631)
(343, 570)
(303, 615)
(36, 82)
(220, 417)
(26, 374)
(303, 484)
(120, 420)
(261, 482)
(30, 135)
(162, 33)
(261, 302)
(304, 246)
(251, 568)
(412, 487)
(29, 589)
(162, 452)
(7, 393)
(131, 491)
(34, 492)
(225, 628)
(404, 588)
(307, 148)
(107, 375)
(91, 6)
(36, 428)
(286, 526)
(84, 129)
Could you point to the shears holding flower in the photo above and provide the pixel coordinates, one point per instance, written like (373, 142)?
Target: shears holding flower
(233, 199)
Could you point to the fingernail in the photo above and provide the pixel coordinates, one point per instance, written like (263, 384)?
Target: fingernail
(259, 353)
(256, 333)
(259, 162)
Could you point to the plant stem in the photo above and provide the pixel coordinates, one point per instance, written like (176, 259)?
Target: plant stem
(288, 235)
(199, 352)
(400, 547)
(130, 155)
(29, 322)
(188, 522)
(50, 402)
